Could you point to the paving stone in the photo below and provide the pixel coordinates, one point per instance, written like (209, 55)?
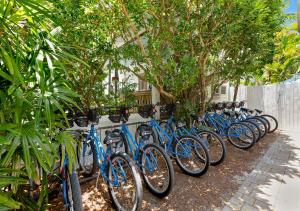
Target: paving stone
(248, 207)
(227, 208)
(275, 181)
(261, 205)
(235, 203)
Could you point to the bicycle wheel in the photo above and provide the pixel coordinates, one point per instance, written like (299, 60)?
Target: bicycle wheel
(216, 147)
(240, 135)
(124, 183)
(267, 123)
(149, 137)
(191, 155)
(272, 122)
(261, 124)
(164, 125)
(254, 128)
(74, 193)
(87, 159)
(157, 170)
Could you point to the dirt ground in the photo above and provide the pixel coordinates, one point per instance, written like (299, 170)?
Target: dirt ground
(207, 192)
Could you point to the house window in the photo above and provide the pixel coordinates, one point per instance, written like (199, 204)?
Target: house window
(223, 90)
(143, 85)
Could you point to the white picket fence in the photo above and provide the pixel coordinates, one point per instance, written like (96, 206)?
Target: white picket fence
(281, 100)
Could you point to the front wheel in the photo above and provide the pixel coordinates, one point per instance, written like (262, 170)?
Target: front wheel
(272, 122)
(157, 170)
(191, 155)
(74, 193)
(215, 145)
(240, 135)
(255, 128)
(124, 183)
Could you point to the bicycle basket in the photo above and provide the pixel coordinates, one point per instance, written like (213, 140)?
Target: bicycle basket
(242, 103)
(219, 106)
(82, 121)
(114, 115)
(93, 115)
(125, 113)
(146, 111)
(229, 105)
(236, 104)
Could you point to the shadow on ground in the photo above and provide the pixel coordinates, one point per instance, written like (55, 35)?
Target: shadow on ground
(274, 183)
(208, 192)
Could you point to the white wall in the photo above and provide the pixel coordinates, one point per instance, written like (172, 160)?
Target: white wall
(281, 100)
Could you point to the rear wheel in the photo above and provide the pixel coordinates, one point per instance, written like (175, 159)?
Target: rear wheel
(125, 187)
(191, 155)
(240, 135)
(87, 159)
(74, 193)
(157, 170)
(215, 146)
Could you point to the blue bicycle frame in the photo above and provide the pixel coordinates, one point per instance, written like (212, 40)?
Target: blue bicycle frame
(135, 149)
(103, 157)
(163, 135)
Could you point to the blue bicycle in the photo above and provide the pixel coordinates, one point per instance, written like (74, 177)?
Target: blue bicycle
(213, 142)
(190, 154)
(153, 162)
(239, 134)
(116, 168)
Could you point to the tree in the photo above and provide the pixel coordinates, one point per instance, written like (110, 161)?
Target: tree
(286, 60)
(33, 96)
(188, 45)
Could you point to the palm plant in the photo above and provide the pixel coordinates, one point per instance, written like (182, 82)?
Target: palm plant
(33, 97)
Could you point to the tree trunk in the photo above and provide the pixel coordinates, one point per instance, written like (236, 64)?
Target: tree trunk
(236, 89)
(202, 84)
(202, 94)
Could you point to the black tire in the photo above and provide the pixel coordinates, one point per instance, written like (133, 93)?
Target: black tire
(255, 129)
(267, 123)
(74, 192)
(247, 132)
(261, 124)
(272, 122)
(87, 160)
(201, 158)
(138, 194)
(209, 134)
(167, 179)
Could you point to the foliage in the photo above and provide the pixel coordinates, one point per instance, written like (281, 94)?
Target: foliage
(33, 93)
(186, 46)
(286, 60)
(90, 33)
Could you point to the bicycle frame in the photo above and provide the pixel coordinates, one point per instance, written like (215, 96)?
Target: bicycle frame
(102, 156)
(64, 182)
(169, 145)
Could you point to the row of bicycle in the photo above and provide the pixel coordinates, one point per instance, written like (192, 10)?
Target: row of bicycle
(121, 157)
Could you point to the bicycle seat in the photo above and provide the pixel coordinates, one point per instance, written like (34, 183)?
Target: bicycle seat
(245, 109)
(145, 131)
(112, 137)
(258, 111)
(180, 124)
(230, 114)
